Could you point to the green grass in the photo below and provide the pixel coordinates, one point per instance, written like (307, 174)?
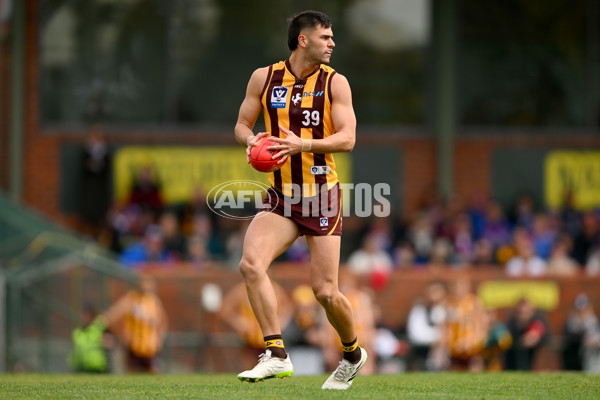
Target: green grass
(406, 386)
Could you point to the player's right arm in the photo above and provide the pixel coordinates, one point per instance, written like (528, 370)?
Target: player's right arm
(249, 111)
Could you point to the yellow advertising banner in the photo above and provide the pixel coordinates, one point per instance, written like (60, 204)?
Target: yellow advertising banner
(181, 169)
(544, 295)
(576, 171)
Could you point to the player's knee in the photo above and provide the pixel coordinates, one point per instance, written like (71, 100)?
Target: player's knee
(250, 269)
(324, 295)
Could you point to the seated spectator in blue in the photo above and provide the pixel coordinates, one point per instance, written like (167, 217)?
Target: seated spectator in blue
(496, 228)
(151, 249)
(464, 245)
(523, 213)
(175, 242)
(476, 210)
(544, 235)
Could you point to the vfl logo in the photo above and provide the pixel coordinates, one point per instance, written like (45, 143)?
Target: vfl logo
(324, 222)
(296, 99)
(279, 96)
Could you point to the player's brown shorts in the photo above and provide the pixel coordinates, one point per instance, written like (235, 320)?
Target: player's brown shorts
(320, 215)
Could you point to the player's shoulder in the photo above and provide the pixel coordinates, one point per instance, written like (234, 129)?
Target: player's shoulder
(339, 83)
(260, 73)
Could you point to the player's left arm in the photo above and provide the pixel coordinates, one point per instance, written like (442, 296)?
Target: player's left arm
(344, 125)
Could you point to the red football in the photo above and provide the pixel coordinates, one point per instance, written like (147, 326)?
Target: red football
(260, 156)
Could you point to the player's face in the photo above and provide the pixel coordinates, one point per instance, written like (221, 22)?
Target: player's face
(320, 44)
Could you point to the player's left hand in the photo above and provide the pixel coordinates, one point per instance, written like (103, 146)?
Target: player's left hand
(289, 146)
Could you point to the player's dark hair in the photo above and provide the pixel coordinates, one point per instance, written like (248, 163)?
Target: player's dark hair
(305, 19)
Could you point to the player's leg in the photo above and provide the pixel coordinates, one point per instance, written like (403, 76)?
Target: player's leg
(325, 257)
(267, 237)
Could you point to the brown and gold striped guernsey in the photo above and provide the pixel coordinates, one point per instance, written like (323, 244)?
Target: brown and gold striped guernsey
(304, 107)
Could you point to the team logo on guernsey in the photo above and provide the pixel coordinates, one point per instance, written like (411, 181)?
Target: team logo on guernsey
(296, 99)
(320, 170)
(279, 96)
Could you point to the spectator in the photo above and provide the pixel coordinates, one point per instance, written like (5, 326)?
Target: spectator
(484, 253)
(496, 228)
(523, 214)
(95, 181)
(581, 338)
(476, 211)
(141, 322)
(404, 256)
(529, 329)
(146, 191)
(424, 327)
(371, 257)
(585, 242)
(441, 254)
(174, 242)
(421, 237)
(90, 343)
(526, 262)
(570, 218)
(463, 239)
(544, 235)
(298, 252)
(560, 264)
(151, 249)
(203, 228)
(465, 329)
(592, 267)
(498, 341)
(195, 207)
(197, 253)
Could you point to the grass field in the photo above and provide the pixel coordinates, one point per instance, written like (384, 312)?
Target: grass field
(405, 386)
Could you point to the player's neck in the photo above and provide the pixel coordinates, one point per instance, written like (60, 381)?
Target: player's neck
(301, 67)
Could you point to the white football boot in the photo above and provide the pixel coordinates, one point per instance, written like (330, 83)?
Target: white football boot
(268, 367)
(342, 377)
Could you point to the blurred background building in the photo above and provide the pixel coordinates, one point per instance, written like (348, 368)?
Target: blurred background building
(116, 120)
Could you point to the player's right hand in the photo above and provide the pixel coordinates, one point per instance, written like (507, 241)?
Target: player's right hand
(252, 141)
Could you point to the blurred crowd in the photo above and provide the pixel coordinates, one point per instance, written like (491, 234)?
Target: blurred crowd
(524, 239)
(447, 329)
